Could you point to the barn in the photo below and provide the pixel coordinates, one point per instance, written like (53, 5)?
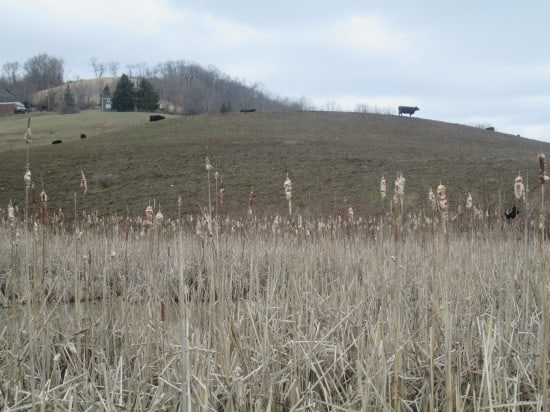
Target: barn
(12, 108)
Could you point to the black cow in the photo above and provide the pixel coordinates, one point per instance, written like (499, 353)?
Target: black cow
(57, 141)
(83, 136)
(155, 117)
(407, 110)
(248, 110)
(490, 128)
(512, 213)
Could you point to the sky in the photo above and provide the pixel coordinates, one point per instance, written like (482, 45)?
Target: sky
(479, 63)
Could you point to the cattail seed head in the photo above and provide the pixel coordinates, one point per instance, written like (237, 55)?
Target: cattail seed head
(542, 169)
(399, 188)
(519, 188)
(83, 183)
(43, 206)
(28, 135)
(27, 177)
(127, 224)
(11, 215)
(288, 188)
(383, 188)
(442, 196)
(59, 217)
(149, 216)
(469, 202)
(208, 165)
(159, 218)
(222, 194)
(251, 197)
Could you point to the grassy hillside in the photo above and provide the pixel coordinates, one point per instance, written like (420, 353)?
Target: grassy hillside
(335, 160)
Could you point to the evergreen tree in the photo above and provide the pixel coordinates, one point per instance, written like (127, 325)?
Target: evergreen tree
(123, 97)
(226, 108)
(106, 91)
(147, 98)
(69, 103)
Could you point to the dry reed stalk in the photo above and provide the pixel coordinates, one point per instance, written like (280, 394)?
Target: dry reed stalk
(209, 168)
(443, 207)
(288, 193)
(251, 197)
(83, 183)
(543, 178)
(383, 188)
(399, 193)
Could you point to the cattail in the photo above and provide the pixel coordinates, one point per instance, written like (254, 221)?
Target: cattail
(159, 218)
(33, 194)
(28, 135)
(222, 194)
(542, 169)
(59, 217)
(288, 188)
(469, 202)
(43, 206)
(442, 196)
(251, 197)
(27, 177)
(208, 165)
(288, 193)
(431, 200)
(399, 187)
(127, 224)
(519, 188)
(350, 214)
(83, 184)
(383, 188)
(11, 215)
(149, 216)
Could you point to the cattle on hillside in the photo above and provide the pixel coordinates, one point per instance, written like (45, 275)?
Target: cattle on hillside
(57, 141)
(155, 117)
(407, 110)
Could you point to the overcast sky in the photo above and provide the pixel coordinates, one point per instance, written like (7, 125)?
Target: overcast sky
(472, 62)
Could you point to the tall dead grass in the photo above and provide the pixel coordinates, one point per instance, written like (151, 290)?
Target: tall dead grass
(271, 314)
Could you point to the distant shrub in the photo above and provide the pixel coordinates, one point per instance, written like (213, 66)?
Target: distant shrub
(105, 179)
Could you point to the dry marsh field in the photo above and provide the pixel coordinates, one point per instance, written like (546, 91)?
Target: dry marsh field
(273, 315)
(165, 290)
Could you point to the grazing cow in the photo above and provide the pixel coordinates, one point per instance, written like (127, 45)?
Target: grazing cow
(490, 128)
(512, 213)
(83, 136)
(57, 141)
(248, 110)
(407, 110)
(155, 117)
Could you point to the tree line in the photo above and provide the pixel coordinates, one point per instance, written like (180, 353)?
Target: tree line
(179, 86)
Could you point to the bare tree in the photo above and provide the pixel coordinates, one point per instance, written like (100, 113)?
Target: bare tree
(98, 67)
(43, 71)
(11, 70)
(113, 68)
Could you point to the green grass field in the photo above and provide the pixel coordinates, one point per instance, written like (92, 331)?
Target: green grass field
(335, 160)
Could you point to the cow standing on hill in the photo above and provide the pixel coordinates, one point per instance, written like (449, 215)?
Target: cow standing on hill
(407, 110)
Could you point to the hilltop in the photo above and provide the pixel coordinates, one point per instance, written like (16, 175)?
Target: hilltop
(335, 161)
